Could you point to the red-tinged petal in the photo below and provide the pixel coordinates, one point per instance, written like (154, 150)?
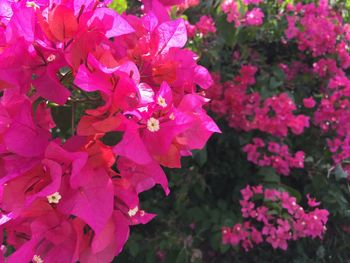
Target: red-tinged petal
(85, 127)
(108, 124)
(100, 155)
(62, 23)
(103, 239)
(55, 171)
(82, 45)
(38, 208)
(126, 95)
(172, 159)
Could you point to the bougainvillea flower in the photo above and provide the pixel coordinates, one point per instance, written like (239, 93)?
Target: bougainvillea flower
(76, 195)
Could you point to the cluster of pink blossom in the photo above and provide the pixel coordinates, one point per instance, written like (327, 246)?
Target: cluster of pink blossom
(74, 200)
(291, 71)
(321, 36)
(253, 17)
(274, 217)
(204, 26)
(247, 111)
(333, 116)
(319, 30)
(273, 154)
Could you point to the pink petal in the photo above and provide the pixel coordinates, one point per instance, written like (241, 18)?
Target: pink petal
(92, 201)
(171, 34)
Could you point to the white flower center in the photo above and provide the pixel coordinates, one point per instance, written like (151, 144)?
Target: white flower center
(133, 211)
(37, 259)
(153, 124)
(32, 4)
(172, 116)
(161, 102)
(54, 198)
(51, 58)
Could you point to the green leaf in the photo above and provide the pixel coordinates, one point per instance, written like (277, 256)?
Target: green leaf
(200, 156)
(274, 83)
(339, 172)
(112, 138)
(119, 5)
(269, 175)
(134, 248)
(181, 257)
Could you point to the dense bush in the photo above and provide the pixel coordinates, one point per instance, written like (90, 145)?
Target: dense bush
(94, 105)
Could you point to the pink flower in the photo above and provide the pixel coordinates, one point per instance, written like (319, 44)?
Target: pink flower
(191, 29)
(206, 25)
(230, 8)
(254, 2)
(254, 17)
(309, 102)
(277, 224)
(312, 201)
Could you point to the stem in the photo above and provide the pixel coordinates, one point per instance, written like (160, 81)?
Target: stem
(74, 106)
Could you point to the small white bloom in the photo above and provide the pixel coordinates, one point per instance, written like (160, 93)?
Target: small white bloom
(133, 211)
(54, 198)
(37, 259)
(32, 4)
(161, 102)
(51, 58)
(153, 125)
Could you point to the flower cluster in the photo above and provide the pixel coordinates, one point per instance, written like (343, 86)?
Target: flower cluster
(76, 198)
(321, 31)
(319, 27)
(248, 112)
(253, 17)
(274, 217)
(204, 26)
(273, 155)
